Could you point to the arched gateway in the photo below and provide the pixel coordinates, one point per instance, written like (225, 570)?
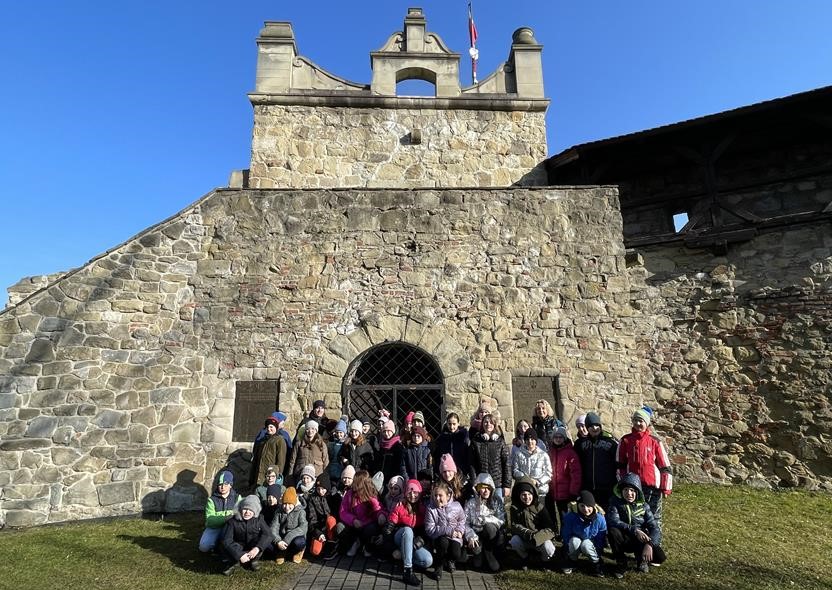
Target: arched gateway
(398, 377)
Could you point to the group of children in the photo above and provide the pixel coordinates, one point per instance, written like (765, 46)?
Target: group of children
(467, 496)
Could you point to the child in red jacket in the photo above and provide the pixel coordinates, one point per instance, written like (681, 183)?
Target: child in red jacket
(404, 525)
(566, 475)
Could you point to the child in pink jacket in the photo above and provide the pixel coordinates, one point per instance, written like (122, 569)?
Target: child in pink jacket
(566, 475)
(359, 512)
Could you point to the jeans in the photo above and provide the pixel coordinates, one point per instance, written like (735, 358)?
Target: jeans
(653, 496)
(420, 557)
(521, 547)
(210, 539)
(575, 546)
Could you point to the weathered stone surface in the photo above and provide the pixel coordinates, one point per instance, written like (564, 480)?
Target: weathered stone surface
(25, 518)
(42, 427)
(116, 493)
(111, 419)
(25, 444)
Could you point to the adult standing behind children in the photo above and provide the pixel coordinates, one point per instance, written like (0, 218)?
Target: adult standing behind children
(641, 452)
(309, 450)
(318, 414)
(544, 420)
(269, 452)
(597, 453)
(489, 454)
(454, 441)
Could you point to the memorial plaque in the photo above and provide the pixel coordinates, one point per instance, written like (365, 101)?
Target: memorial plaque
(255, 401)
(527, 390)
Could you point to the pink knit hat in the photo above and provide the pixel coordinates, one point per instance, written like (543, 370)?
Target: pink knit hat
(447, 463)
(413, 484)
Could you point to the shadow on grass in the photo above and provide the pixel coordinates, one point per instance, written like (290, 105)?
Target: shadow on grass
(180, 547)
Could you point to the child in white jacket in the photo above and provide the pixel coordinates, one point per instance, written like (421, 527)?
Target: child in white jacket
(485, 517)
(531, 461)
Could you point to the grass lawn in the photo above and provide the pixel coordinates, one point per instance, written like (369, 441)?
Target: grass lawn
(725, 538)
(715, 537)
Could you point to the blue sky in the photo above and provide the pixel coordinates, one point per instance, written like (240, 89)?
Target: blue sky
(114, 116)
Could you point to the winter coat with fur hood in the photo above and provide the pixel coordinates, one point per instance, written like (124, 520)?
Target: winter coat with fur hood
(240, 536)
(479, 513)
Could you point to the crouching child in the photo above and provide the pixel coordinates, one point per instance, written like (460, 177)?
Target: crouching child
(319, 516)
(632, 527)
(246, 536)
(584, 532)
(485, 515)
(530, 524)
(289, 528)
(219, 508)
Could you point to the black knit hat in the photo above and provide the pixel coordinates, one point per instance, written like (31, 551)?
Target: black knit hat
(592, 418)
(586, 498)
(529, 434)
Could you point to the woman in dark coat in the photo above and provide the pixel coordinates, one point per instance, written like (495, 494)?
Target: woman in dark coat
(453, 441)
(489, 454)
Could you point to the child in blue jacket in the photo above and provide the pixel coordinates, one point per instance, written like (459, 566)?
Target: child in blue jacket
(584, 531)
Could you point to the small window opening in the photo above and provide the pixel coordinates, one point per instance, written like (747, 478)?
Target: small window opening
(680, 220)
(415, 88)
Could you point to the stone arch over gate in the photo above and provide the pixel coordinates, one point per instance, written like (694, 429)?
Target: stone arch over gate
(461, 383)
(398, 377)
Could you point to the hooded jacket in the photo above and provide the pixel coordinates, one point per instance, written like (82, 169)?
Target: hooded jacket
(442, 522)
(566, 472)
(359, 456)
(633, 516)
(318, 508)
(489, 454)
(527, 521)
(240, 536)
(479, 513)
(534, 464)
(352, 509)
(287, 526)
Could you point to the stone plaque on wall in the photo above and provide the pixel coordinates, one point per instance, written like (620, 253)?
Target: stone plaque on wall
(255, 401)
(527, 390)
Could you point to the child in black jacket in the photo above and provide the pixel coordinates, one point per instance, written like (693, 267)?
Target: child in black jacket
(246, 536)
(319, 515)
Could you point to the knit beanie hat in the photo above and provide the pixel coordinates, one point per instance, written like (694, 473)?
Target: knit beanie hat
(308, 470)
(642, 413)
(386, 424)
(349, 471)
(592, 419)
(356, 425)
(580, 420)
(413, 484)
(365, 421)
(447, 463)
(560, 430)
(340, 426)
(525, 486)
(279, 416)
(251, 503)
(420, 431)
(586, 498)
(319, 403)
(419, 417)
(225, 477)
(312, 425)
(397, 480)
(290, 496)
(323, 481)
(408, 419)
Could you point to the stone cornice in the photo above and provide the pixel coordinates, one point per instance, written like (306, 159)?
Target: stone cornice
(479, 102)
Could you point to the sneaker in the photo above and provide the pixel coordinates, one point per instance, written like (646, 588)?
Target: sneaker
(366, 552)
(654, 564)
(397, 555)
(491, 561)
(643, 567)
(451, 566)
(331, 556)
(298, 557)
(597, 569)
(280, 560)
(568, 567)
(254, 565)
(620, 568)
(229, 570)
(437, 572)
(354, 549)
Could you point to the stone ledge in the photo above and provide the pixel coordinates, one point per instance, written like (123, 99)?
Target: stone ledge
(481, 102)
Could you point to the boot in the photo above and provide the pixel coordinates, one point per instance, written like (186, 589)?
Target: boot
(491, 561)
(298, 557)
(409, 578)
(451, 566)
(354, 549)
(597, 570)
(229, 570)
(437, 570)
(620, 567)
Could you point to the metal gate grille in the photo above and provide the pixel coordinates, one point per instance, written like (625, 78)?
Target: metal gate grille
(400, 378)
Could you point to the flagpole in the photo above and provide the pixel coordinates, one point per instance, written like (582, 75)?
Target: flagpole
(472, 37)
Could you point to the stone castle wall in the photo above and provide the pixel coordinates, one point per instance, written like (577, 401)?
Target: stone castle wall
(740, 359)
(315, 146)
(117, 382)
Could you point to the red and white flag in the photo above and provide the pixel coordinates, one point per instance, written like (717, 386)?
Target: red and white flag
(472, 36)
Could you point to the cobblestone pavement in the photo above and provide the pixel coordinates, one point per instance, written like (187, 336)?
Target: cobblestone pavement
(360, 573)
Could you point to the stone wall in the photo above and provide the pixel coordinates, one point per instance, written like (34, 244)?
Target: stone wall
(740, 359)
(117, 381)
(315, 146)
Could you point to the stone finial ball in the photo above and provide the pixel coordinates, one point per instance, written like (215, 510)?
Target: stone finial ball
(523, 36)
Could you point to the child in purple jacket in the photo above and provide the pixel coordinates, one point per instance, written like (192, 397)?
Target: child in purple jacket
(445, 524)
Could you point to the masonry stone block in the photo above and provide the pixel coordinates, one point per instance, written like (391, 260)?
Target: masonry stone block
(116, 493)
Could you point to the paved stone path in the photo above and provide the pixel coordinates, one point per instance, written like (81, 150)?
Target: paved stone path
(361, 573)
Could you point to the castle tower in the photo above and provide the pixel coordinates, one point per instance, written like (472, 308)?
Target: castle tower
(314, 129)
